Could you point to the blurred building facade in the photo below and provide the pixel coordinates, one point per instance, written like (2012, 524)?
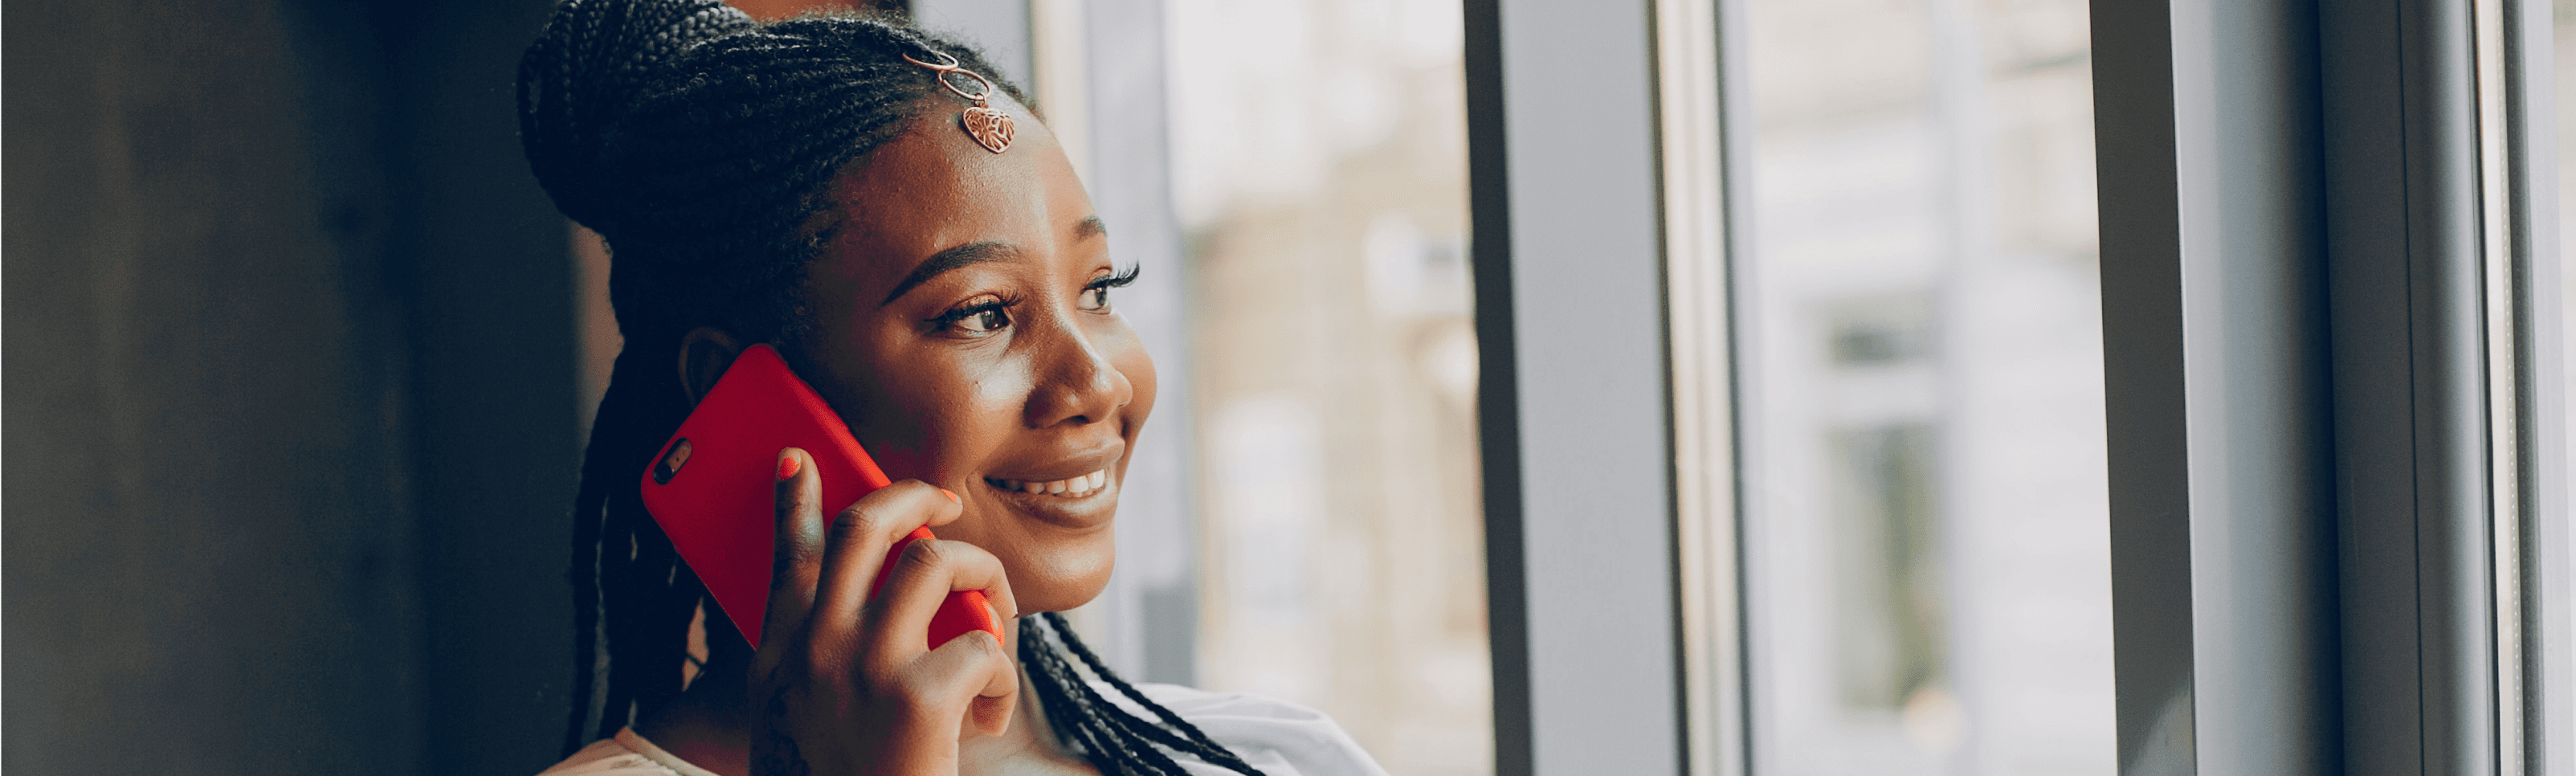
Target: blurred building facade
(1319, 161)
(1920, 368)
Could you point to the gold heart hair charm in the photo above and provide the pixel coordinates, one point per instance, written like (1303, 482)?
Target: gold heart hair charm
(990, 128)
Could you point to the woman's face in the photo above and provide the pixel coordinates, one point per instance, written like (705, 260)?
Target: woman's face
(965, 327)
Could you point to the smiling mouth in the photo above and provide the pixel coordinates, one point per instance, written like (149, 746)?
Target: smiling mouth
(1075, 487)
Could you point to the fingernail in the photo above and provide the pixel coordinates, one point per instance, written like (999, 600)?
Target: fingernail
(952, 497)
(788, 465)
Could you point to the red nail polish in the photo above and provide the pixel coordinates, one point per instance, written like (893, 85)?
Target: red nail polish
(788, 465)
(952, 497)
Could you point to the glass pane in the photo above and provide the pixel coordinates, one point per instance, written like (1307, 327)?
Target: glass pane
(1926, 535)
(1319, 154)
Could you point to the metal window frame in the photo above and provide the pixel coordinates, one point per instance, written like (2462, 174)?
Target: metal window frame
(2330, 441)
(2316, 218)
(2548, 552)
(2214, 327)
(1699, 61)
(1568, 267)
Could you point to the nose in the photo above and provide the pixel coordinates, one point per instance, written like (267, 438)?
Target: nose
(1076, 384)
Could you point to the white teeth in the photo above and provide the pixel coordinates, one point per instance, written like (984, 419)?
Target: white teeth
(1074, 486)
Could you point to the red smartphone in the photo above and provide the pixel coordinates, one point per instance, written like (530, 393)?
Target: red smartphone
(710, 488)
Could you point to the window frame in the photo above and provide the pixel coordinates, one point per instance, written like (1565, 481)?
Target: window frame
(1572, 400)
(2339, 517)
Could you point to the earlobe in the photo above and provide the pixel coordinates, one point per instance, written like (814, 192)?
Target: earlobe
(705, 353)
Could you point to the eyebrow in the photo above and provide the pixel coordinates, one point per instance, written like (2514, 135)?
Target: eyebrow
(953, 258)
(977, 253)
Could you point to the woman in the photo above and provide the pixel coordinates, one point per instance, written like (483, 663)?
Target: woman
(897, 223)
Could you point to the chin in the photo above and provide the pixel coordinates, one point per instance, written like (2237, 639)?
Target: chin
(1065, 577)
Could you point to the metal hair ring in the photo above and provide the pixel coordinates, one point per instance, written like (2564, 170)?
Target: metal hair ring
(990, 128)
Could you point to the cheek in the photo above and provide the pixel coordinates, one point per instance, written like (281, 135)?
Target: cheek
(1138, 367)
(1001, 391)
(944, 418)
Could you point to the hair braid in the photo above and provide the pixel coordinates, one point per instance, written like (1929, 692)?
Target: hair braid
(1196, 743)
(1074, 717)
(1050, 677)
(604, 544)
(702, 145)
(1097, 717)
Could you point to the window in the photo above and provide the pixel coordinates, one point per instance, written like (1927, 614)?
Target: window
(1291, 176)
(1319, 161)
(1926, 562)
(2307, 515)
(1823, 412)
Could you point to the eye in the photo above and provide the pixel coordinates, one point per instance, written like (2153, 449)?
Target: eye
(987, 320)
(979, 318)
(1095, 294)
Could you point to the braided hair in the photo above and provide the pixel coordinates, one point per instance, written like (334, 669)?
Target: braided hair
(701, 145)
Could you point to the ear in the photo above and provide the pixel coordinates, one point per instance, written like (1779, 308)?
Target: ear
(705, 352)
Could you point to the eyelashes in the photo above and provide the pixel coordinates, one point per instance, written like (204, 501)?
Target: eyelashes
(1119, 279)
(1095, 294)
(984, 315)
(992, 312)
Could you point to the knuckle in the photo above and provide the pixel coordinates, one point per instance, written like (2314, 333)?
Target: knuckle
(789, 557)
(855, 523)
(985, 643)
(927, 554)
(788, 504)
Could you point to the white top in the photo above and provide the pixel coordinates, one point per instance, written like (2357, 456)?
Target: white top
(1275, 736)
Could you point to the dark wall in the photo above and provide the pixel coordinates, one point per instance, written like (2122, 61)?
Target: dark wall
(289, 387)
(491, 283)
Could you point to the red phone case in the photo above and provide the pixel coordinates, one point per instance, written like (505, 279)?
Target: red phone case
(715, 504)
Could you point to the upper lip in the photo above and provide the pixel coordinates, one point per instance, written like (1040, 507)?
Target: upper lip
(1065, 467)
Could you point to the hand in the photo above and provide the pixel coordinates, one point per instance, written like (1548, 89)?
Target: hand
(843, 684)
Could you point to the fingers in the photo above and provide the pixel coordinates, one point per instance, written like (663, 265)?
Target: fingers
(798, 547)
(974, 667)
(921, 582)
(823, 619)
(855, 548)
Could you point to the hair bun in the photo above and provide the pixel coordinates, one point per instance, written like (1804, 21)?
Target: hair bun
(586, 69)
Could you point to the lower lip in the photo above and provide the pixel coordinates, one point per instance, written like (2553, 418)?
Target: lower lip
(1088, 510)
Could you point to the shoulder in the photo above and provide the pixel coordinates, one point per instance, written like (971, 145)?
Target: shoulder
(1276, 736)
(626, 754)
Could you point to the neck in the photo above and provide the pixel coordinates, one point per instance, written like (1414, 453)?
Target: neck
(709, 725)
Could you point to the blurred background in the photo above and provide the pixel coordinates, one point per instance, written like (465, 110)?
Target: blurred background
(1926, 524)
(302, 361)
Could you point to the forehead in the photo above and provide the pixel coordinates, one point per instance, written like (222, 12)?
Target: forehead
(933, 188)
